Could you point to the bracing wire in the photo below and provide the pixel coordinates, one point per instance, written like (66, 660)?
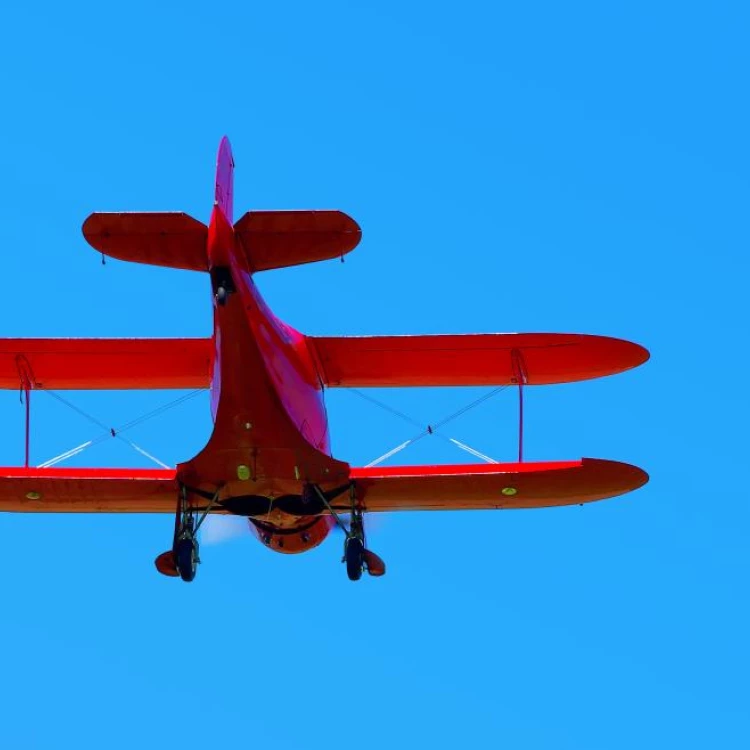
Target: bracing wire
(431, 429)
(112, 432)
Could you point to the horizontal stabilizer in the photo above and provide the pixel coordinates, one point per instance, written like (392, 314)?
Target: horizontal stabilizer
(175, 240)
(494, 486)
(470, 359)
(277, 239)
(105, 364)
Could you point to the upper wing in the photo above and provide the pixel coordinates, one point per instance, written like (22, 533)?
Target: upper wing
(494, 486)
(58, 490)
(105, 364)
(470, 359)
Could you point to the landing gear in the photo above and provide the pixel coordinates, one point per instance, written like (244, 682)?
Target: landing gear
(356, 555)
(183, 559)
(186, 554)
(354, 546)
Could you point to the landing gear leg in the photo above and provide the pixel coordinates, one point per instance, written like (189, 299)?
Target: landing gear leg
(356, 555)
(354, 547)
(183, 559)
(186, 546)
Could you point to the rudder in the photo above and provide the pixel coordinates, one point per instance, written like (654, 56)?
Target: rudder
(224, 188)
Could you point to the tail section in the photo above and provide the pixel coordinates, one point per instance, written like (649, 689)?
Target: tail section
(175, 240)
(224, 193)
(268, 239)
(278, 239)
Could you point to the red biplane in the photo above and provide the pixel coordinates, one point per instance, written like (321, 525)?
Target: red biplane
(268, 457)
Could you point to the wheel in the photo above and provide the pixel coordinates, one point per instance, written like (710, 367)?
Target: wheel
(186, 554)
(354, 555)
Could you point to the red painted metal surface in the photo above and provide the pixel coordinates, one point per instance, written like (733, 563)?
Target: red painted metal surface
(63, 490)
(460, 470)
(470, 359)
(105, 364)
(174, 240)
(270, 432)
(276, 239)
(495, 486)
(224, 183)
(446, 487)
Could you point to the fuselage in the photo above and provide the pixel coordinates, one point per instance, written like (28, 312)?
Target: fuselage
(270, 434)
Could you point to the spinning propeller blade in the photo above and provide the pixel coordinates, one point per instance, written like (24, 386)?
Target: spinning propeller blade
(217, 528)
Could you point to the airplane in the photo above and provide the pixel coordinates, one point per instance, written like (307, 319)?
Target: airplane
(268, 457)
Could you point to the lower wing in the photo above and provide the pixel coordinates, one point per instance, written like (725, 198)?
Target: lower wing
(58, 490)
(461, 487)
(494, 486)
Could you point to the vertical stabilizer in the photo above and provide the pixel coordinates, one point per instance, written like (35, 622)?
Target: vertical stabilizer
(224, 194)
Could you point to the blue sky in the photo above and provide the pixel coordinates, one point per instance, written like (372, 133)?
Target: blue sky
(514, 167)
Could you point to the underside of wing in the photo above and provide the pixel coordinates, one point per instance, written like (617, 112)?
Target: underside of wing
(460, 487)
(494, 486)
(105, 364)
(59, 490)
(470, 359)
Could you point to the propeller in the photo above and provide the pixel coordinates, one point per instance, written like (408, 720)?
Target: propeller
(373, 522)
(218, 528)
(347, 519)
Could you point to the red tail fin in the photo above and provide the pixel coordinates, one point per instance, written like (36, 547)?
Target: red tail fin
(224, 195)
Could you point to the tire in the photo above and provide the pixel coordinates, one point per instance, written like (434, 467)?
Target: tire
(354, 554)
(186, 556)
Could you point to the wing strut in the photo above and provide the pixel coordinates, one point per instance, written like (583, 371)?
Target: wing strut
(27, 396)
(520, 376)
(26, 379)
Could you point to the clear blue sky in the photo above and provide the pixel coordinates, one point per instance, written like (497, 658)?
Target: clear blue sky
(573, 167)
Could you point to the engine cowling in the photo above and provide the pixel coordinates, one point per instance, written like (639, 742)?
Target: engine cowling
(295, 539)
